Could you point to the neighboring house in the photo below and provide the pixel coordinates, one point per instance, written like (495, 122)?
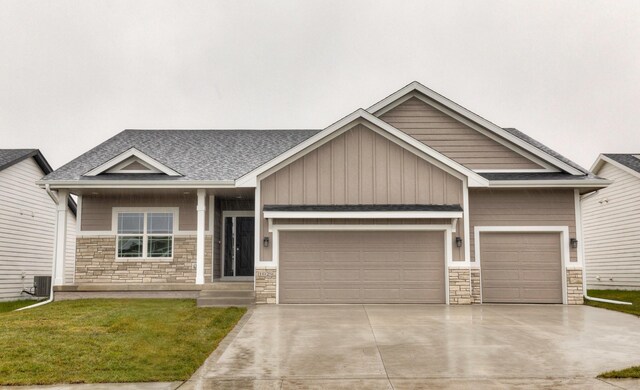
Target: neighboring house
(611, 220)
(415, 200)
(28, 224)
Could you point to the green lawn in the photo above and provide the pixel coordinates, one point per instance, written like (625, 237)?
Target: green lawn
(12, 305)
(110, 340)
(618, 295)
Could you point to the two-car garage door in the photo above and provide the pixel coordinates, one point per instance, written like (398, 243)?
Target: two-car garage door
(361, 267)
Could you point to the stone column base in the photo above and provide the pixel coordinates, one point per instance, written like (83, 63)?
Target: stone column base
(459, 286)
(476, 295)
(575, 295)
(265, 285)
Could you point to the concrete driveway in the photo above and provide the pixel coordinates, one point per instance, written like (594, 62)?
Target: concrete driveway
(417, 346)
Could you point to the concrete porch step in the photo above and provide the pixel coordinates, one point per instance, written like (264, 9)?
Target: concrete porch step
(225, 301)
(227, 293)
(228, 286)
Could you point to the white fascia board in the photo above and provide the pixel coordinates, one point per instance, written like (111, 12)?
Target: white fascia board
(542, 170)
(133, 152)
(362, 214)
(475, 180)
(549, 183)
(604, 159)
(416, 86)
(135, 184)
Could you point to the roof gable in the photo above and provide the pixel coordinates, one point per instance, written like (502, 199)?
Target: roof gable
(457, 140)
(470, 118)
(629, 163)
(132, 156)
(360, 116)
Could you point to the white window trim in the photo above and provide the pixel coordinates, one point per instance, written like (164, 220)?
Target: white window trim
(145, 210)
(275, 229)
(565, 251)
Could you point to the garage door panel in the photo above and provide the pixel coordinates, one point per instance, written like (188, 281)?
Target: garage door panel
(362, 267)
(521, 267)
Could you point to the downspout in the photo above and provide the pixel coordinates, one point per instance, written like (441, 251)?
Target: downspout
(584, 260)
(53, 263)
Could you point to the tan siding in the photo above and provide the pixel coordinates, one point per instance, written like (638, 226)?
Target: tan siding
(27, 230)
(360, 167)
(543, 207)
(97, 209)
(612, 232)
(452, 138)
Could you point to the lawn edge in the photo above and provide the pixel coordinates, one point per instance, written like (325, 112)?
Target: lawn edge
(222, 345)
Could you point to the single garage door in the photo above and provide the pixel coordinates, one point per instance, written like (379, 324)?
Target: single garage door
(521, 267)
(361, 267)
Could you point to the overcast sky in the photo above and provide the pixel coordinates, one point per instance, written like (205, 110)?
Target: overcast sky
(74, 73)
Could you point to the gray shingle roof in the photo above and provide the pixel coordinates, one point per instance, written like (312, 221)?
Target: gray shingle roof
(544, 148)
(628, 160)
(9, 157)
(214, 155)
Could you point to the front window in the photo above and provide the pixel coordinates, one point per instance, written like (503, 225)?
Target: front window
(145, 235)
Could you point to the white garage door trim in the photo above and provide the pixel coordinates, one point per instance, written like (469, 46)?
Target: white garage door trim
(564, 242)
(447, 229)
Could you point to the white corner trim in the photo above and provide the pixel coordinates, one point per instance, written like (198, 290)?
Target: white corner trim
(133, 152)
(362, 214)
(466, 223)
(250, 179)
(578, 211)
(565, 252)
(377, 108)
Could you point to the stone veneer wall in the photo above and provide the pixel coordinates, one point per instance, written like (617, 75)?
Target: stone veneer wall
(459, 286)
(574, 286)
(265, 285)
(95, 263)
(476, 295)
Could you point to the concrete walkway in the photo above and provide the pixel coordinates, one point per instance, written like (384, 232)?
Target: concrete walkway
(416, 346)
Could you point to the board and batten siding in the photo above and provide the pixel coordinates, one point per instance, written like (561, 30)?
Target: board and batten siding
(611, 232)
(522, 207)
(453, 138)
(27, 230)
(359, 167)
(97, 210)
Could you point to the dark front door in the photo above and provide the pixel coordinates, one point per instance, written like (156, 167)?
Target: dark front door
(238, 246)
(244, 246)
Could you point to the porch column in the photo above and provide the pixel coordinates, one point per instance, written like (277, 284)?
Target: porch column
(200, 237)
(61, 237)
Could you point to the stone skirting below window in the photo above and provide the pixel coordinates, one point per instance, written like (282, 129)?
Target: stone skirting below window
(96, 263)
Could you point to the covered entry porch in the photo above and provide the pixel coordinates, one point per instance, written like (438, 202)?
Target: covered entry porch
(160, 243)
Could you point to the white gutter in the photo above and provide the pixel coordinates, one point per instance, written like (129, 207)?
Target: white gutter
(53, 196)
(584, 262)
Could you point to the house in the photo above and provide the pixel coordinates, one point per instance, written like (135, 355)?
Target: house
(611, 220)
(28, 224)
(414, 200)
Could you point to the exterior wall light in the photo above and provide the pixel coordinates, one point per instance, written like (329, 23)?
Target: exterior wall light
(573, 243)
(265, 242)
(459, 242)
